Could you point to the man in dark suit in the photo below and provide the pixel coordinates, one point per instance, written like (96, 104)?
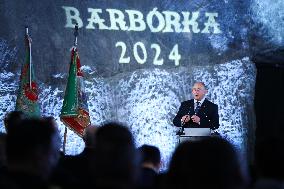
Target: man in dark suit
(198, 112)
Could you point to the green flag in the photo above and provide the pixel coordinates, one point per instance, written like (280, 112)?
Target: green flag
(75, 113)
(27, 98)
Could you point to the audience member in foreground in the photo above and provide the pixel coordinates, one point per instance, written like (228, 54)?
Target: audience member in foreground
(2, 152)
(12, 119)
(150, 166)
(115, 164)
(206, 163)
(75, 171)
(32, 153)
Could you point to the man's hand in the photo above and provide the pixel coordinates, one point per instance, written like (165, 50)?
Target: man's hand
(185, 118)
(195, 119)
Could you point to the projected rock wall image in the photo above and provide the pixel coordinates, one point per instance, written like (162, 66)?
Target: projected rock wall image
(140, 60)
(267, 23)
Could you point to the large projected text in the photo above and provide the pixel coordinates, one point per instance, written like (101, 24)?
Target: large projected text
(135, 20)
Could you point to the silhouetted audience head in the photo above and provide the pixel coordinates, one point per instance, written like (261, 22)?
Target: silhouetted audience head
(13, 118)
(89, 136)
(149, 167)
(205, 163)
(115, 162)
(33, 146)
(150, 157)
(2, 150)
(269, 158)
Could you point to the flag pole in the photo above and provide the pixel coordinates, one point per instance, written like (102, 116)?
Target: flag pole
(76, 33)
(64, 140)
(30, 54)
(75, 45)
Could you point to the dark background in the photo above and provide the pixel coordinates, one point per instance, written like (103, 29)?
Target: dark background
(269, 93)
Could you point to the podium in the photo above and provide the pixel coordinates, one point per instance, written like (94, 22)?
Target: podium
(193, 134)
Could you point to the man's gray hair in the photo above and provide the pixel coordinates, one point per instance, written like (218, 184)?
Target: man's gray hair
(202, 83)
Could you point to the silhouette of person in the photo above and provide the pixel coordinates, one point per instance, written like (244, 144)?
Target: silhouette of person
(150, 166)
(13, 118)
(32, 153)
(116, 161)
(75, 171)
(211, 162)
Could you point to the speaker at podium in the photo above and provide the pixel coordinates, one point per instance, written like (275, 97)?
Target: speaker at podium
(193, 134)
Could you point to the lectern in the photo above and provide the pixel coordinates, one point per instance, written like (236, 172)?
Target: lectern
(193, 134)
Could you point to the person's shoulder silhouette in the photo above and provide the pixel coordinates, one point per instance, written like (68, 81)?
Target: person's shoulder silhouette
(211, 162)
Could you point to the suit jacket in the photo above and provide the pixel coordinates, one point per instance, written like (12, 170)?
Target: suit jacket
(208, 114)
(147, 179)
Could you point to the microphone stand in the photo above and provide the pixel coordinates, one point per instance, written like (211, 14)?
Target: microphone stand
(181, 130)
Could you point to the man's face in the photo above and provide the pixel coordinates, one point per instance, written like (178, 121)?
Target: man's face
(198, 91)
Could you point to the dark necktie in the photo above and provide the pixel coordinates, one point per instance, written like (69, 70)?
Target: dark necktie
(197, 108)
